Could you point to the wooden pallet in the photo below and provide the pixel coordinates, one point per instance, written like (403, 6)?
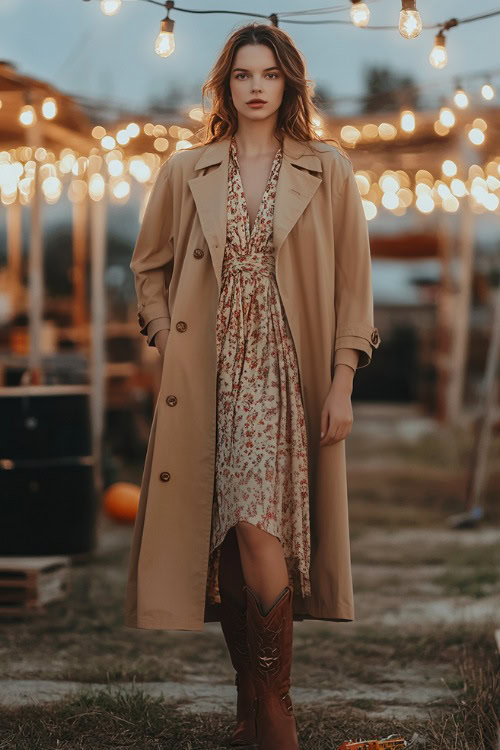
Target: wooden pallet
(28, 584)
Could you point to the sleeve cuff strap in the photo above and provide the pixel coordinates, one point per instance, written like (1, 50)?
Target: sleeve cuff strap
(348, 357)
(155, 325)
(365, 341)
(146, 314)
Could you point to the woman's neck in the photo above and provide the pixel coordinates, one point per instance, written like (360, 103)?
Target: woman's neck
(254, 140)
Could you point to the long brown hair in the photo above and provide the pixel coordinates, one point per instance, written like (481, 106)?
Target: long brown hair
(297, 110)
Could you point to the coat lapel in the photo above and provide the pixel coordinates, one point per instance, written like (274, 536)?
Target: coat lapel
(294, 189)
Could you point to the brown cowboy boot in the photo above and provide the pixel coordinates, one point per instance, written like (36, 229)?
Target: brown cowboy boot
(234, 627)
(270, 639)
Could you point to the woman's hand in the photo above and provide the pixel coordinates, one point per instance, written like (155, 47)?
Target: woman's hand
(336, 416)
(160, 340)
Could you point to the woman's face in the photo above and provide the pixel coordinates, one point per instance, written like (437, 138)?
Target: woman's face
(256, 75)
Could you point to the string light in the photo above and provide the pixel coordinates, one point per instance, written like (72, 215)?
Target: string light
(476, 133)
(410, 23)
(487, 91)
(49, 108)
(165, 42)
(438, 56)
(27, 116)
(460, 98)
(449, 168)
(446, 117)
(97, 186)
(407, 120)
(392, 190)
(133, 129)
(122, 137)
(110, 7)
(360, 13)
(115, 167)
(52, 189)
(108, 142)
(121, 190)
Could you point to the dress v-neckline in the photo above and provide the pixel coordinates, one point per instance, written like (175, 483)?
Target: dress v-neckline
(259, 210)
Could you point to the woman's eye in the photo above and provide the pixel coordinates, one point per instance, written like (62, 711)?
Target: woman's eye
(244, 74)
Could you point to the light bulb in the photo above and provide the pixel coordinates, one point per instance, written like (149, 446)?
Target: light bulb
(446, 117)
(97, 186)
(133, 129)
(27, 116)
(49, 108)
(476, 136)
(407, 119)
(488, 91)
(410, 23)
(165, 42)
(110, 7)
(438, 56)
(360, 13)
(461, 99)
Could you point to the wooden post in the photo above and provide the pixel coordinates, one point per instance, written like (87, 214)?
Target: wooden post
(488, 412)
(444, 322)
(80, 231)
(14, 252)
(465, 257)
(98, 209)
(35, 281)
(462, 318)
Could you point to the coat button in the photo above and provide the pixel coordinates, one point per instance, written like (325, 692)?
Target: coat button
(374, 337)
(171, 400)
(181, 326)
(165, 476)
(198, 252)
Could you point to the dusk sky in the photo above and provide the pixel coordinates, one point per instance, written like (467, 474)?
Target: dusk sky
(71, 44)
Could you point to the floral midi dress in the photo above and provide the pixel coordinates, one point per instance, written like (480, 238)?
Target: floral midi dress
(261, 470)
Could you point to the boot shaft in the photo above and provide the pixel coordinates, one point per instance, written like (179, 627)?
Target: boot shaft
(234, 627)
(270, 638)
(270, 644)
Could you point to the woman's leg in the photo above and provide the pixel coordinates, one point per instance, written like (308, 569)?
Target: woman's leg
(263, 562)
(270, 636)
(234, 627)
(231, 580)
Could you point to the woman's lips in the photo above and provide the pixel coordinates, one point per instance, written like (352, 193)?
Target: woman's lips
(256, 104)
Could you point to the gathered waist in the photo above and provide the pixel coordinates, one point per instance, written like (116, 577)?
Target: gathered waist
(259, 263)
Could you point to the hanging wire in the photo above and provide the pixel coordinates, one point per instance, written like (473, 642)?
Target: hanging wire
(452, 22)
(316, 11)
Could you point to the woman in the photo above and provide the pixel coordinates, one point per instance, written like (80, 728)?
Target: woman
(253, 278)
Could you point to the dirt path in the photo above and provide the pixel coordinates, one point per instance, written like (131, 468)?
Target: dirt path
(391, 661)
(396, 700)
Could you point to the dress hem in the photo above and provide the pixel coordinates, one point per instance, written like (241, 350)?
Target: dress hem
(298, 579)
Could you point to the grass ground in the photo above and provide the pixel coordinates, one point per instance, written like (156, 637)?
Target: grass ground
(419, 660)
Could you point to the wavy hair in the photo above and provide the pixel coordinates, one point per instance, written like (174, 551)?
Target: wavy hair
(297, 110)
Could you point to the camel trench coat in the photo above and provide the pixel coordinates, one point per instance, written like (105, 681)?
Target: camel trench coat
(323, 272)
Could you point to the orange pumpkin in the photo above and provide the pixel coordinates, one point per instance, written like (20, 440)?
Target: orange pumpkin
(121, 501)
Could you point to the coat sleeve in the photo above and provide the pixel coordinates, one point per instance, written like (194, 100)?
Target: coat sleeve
(347, 357)
(158, 324)
(153, 257)
(353, 278)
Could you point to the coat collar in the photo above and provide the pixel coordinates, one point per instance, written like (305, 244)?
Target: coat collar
(293, 152)
(294, 190)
